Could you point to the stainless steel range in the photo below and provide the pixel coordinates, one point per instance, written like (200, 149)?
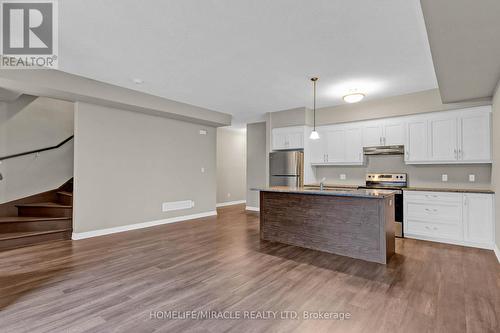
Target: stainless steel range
(395, 182)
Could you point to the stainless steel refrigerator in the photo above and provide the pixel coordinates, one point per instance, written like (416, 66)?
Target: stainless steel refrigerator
(286, 168)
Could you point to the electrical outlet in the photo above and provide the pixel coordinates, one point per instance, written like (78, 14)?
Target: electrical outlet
(444, 177)
(203, 132)
(343, 176)
(202, 170)
(229, 195)
(472, 178)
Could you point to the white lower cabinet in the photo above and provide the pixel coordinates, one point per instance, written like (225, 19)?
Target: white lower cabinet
(457, 218)
(478, 218)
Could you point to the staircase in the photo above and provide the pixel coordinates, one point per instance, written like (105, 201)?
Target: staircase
(36, 219)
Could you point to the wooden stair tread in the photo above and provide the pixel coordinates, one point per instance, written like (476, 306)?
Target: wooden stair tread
(45, 204)
(70, 194)
(10, 219)
(14, 235)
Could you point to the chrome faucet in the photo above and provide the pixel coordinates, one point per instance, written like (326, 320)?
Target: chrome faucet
(322, 184)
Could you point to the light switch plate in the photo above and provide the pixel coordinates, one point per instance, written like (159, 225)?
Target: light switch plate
(472, 178)
(444, 177)
(343, 176)
(203, 132)
(202, 170)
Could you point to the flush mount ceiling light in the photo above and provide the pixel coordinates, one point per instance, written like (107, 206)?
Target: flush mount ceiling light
(314, 135)
(138, 81)
(353, 98)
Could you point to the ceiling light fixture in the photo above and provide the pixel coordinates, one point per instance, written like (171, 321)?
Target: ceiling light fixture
(353, 98)
(138, 81)
(314, 135)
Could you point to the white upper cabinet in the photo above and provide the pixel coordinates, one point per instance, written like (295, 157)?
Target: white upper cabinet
(385, 132)
(318, 147)
(416, 147)
(452, 137)
(448, 137)
(335, 143)
(373, 134)
(338, 145)
(354, 145)
(475, 135)
(394, 132)
(443, 138)
(284, 138)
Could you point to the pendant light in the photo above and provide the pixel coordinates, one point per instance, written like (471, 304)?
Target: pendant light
(314, 135)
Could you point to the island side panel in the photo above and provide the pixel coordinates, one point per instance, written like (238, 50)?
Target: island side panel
(349, 226)
(388, 228)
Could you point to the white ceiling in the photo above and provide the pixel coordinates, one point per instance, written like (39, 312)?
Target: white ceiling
(248, 57)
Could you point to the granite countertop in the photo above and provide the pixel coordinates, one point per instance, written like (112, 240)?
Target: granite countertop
(340, 192)
(456, 190)
(414, 188)
(334, 186)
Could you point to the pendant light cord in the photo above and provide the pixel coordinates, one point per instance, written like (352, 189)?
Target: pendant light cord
(314, 79)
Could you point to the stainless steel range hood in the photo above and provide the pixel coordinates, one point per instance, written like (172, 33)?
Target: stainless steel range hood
(384, 150)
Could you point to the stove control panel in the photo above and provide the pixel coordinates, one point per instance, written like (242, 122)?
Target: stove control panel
(386, 177)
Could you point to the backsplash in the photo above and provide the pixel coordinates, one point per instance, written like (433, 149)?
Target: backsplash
(418, 175)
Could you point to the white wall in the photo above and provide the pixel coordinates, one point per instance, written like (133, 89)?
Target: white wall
(31, 123)
(127, 164)
(231, 165)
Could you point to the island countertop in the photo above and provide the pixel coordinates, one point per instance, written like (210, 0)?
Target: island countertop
(340, 192)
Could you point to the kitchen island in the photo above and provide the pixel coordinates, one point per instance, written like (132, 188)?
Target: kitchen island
(356, 223)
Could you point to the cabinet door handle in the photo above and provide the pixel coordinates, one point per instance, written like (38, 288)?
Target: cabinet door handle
(460, 153)
(456, 153)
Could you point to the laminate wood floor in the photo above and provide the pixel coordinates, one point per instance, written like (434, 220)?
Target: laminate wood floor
(115, 283)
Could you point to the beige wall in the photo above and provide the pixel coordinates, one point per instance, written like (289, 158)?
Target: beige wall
(231, 164)
(420, 102)
(496, 160)
(291, 117)
(127, 164)
(30, 123)
(256, 161)
(419, 175)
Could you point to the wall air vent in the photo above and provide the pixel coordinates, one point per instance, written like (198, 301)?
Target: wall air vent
(177, 205)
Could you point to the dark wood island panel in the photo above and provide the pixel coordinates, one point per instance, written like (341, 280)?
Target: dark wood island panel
(357, 227)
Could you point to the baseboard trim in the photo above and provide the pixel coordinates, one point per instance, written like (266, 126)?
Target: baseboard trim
(230, 203)
(497, 252)
(107, 231)
(452, 242)
(253, 209)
